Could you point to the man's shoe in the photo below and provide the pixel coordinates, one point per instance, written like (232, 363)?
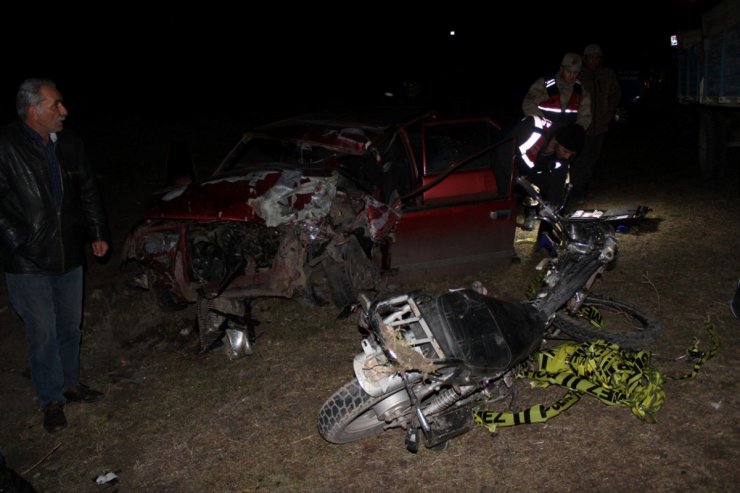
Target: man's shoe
(82, 393)
(528, 224)
(54, 419)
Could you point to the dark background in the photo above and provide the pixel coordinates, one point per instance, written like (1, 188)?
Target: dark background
(171, 62)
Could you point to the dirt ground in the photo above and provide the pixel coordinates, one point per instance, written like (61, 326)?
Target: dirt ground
(176, 421)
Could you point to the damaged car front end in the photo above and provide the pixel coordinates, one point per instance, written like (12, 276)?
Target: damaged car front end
(318, 207)
(279, 218)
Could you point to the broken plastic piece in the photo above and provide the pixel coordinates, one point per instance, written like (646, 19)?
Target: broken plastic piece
(108, 478)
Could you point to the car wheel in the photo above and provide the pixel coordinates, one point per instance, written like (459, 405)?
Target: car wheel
(169, 301)
(354, 274)
(317, 292)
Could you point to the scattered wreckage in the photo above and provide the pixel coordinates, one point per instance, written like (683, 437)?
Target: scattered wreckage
(318, 207)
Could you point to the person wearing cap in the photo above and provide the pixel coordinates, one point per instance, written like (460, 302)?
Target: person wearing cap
(560, 99)
(601, 84)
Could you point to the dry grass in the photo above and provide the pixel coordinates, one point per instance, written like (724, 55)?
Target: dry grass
(174, 421)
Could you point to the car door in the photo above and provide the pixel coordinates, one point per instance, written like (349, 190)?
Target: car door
(463, 218)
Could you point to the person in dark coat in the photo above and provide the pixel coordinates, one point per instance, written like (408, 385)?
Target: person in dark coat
(602, 85)
(49, 209)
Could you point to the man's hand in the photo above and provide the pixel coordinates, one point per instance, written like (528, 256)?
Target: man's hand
(99, 248)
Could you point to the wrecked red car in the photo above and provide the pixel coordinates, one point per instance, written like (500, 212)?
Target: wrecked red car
(319, 207)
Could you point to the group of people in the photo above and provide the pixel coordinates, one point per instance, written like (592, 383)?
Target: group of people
(566, 118)
(50, 206)
(562, 134)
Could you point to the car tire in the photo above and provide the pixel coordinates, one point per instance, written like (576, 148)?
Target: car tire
(354, 274)
(169, 301)
(317, 293)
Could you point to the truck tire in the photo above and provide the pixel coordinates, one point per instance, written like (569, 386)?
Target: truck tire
(712, 144)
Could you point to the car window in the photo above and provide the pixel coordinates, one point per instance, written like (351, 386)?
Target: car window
(448, 143)
(256, 153)
(398, 174)
(413, 132)
(362, 170)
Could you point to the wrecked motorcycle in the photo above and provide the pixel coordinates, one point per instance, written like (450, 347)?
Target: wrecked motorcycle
(430, 360)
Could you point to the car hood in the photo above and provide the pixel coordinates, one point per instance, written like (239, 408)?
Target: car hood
(270, 197)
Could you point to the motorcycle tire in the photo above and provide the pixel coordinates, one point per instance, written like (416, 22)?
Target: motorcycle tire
(348, 415)
(623, 323)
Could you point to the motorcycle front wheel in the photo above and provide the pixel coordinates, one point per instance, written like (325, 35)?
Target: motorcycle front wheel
(352, 414)
(613, 320)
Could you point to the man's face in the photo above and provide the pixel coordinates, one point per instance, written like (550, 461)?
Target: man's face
(570, 77)
(563, 153)
(47, 116)
(592, 61)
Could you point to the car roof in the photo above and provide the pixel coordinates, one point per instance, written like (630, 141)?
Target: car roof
(352, 131)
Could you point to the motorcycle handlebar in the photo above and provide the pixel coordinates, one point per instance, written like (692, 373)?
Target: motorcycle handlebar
(546, 210)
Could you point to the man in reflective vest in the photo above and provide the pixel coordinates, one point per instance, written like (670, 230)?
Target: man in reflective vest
(544, 155)
(560, 99)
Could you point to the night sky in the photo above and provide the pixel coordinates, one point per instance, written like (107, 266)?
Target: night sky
(185, 61)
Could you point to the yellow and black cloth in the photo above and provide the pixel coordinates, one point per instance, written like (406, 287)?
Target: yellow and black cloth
(615, 376)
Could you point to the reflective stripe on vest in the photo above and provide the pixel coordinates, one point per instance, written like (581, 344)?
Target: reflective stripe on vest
(553, 104)
(531, 147)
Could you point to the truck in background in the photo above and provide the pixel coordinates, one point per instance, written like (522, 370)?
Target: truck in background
(709, 80)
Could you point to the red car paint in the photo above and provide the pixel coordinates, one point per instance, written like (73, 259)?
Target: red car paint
(282, 207)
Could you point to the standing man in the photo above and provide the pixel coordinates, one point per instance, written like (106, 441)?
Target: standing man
(49, 208)
(602, 85)
(560, 99)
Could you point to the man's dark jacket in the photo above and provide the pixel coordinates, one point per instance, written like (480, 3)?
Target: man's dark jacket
(35, 236)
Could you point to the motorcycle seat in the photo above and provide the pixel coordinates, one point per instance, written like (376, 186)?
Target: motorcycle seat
(484, 333)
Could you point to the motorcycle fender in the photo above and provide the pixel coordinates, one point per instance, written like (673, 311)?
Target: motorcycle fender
(375, 378)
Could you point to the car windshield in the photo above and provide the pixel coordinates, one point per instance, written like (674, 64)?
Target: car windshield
(258, 154)
(261, 153)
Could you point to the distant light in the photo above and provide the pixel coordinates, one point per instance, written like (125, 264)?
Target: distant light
(452, 33)
(674, 40)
